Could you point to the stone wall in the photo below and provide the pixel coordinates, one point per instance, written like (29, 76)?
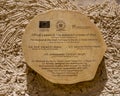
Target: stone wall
(17, 79)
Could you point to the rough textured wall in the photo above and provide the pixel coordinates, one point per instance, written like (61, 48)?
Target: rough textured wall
(17, 79)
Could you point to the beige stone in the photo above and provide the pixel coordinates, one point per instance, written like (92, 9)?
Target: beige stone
(63, 46)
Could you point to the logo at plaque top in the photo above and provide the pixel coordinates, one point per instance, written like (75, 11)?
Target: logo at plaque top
(60, 25)
(66, 57)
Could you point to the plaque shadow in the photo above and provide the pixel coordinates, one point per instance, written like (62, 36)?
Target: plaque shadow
(38, 86)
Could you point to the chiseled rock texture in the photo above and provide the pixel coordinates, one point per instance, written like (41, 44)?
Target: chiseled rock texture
(17, 79)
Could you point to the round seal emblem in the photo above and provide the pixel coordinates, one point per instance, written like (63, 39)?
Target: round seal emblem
(60, 25)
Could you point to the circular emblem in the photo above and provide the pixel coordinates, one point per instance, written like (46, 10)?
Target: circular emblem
(60, 25)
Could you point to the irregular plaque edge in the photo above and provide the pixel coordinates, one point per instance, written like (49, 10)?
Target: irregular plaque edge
(57, 81)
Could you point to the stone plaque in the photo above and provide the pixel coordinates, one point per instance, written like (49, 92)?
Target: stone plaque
(63, 46)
